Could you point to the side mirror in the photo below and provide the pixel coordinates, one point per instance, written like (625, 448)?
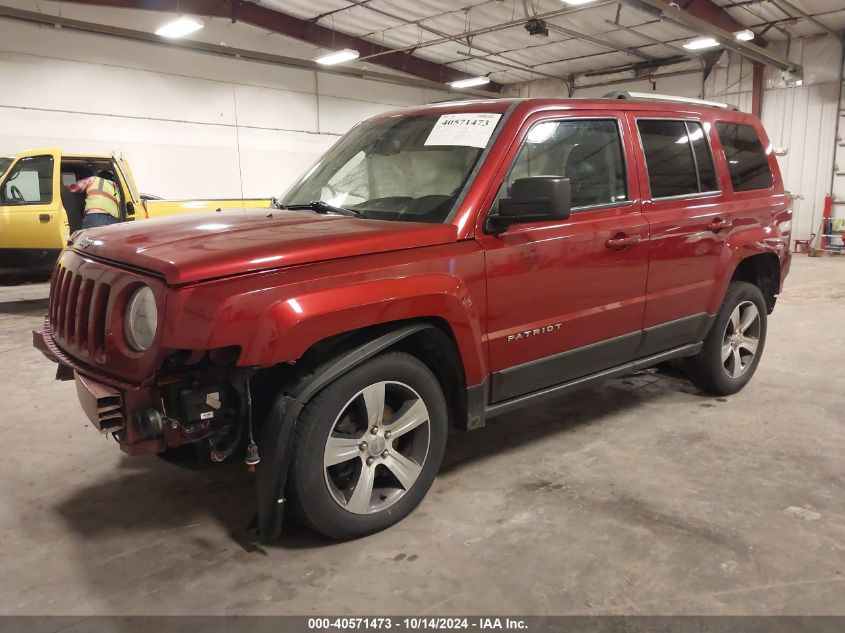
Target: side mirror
(534, 199)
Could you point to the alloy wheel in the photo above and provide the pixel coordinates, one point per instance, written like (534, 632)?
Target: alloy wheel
(741, 339)
(377, 447)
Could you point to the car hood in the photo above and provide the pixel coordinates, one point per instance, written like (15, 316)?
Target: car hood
(196, 247)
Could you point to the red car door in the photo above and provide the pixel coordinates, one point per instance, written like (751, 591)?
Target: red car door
(566, 297)
(689, 221)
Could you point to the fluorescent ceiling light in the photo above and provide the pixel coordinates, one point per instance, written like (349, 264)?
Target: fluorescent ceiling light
(701, 43)
(470, 82)
(337, 57)
(744, 36)
(180, 27)
(577, 2)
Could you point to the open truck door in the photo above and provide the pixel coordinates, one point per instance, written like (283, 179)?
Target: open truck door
(33, 224)
(134, 204)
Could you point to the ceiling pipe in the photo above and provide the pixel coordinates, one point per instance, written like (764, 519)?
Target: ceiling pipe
(258, 15)
(595, 41)
(497, 27)
(509, 63)
(487, 60)
(700, 26)
(654, 41)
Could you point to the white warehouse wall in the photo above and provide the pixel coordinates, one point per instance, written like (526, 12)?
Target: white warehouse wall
(190, 124)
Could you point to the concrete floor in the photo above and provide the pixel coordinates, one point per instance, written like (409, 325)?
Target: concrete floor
(642, 496)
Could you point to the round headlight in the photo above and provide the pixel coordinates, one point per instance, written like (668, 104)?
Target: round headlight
(141, 319)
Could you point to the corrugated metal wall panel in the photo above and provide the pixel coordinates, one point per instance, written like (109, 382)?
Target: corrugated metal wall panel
(802, 120)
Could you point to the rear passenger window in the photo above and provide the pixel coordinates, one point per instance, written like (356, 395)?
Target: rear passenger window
(747, 160)
(677, 158)
(587, 151)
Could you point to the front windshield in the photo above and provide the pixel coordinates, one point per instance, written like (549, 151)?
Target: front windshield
(4, 164)
(406, 168)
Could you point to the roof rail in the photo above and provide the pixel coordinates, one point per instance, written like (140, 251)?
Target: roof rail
(623, 94)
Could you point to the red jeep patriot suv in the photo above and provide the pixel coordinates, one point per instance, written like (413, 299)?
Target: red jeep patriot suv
(440, 265)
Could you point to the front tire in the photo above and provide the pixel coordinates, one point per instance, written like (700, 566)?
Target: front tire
(734, 345)
(368, 447)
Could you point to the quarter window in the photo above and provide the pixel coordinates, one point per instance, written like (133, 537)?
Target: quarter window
(29, 182)
(747, 161)
(703, 159)
(587, 151)
(677, 158)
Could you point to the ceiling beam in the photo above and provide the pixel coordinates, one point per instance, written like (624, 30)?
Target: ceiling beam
(304, 30)
(507, 63)
(653, 40)
(505, 25)
(711, 21)
(711, 12)
(788, 8)
(223, 51)
(598, 41)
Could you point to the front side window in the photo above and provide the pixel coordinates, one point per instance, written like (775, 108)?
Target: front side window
(405, 168)
(29, 182)
(677, 158)
(747, 160)
(587, 151)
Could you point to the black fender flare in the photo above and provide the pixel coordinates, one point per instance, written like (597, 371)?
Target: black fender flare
(271, 474)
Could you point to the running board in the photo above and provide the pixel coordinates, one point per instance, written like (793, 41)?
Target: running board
(626, 369)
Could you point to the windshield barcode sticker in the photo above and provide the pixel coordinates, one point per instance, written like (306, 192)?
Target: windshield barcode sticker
(468, 130)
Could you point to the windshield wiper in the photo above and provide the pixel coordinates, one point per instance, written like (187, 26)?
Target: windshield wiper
(318, 206)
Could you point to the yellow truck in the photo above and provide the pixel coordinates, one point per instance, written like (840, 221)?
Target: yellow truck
(38, 212)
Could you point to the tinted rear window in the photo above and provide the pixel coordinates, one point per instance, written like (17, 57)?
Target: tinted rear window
(747, 160)
(668, 156)
(677, 158)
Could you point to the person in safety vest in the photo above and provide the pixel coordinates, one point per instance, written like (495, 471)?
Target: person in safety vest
(102, 206)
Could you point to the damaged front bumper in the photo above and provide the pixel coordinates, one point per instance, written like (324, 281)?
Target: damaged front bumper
(132, 413)
(137, 416)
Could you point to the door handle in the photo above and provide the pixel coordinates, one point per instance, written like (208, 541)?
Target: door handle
(621, 241)
(719, 224)
(44, 217)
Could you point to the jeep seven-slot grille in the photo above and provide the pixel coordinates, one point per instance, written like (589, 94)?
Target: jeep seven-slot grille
(78, 313)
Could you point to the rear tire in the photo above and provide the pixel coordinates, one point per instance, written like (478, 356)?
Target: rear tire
(367, 448)
(734, 345)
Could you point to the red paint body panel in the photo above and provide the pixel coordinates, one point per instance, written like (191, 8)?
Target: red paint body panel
(276, 316)
(190, 248)
(548, 273)
(275, 283)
